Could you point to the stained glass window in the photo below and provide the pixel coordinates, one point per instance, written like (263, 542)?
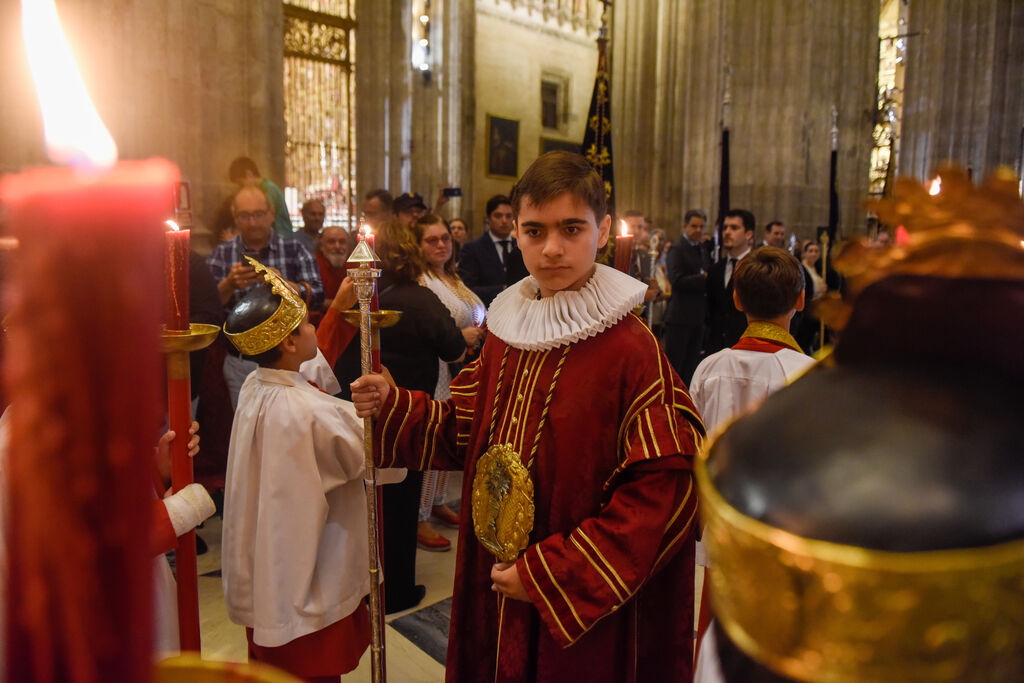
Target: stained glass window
(319, 107)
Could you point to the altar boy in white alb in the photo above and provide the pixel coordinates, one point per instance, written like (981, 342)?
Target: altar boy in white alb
(769, 289)
(295, 538)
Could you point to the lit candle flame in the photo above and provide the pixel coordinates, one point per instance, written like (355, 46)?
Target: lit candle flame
(902, 236)
(74, 132)
(623, 229)
(366, 231)
(172, 225)
(936, 186)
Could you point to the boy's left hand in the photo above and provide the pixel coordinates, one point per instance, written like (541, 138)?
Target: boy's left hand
(505, 578)
(163, 449)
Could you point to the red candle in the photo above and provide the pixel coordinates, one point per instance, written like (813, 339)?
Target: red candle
(83, 372)
(176, 253)
(623, 249)
(83, 375)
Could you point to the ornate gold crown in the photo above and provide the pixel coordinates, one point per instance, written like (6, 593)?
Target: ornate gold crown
(819, 611)
(962, 232)
(272, 331)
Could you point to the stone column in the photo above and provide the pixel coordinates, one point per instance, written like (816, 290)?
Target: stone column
(790, 62)
(964, 99)
(410, 129)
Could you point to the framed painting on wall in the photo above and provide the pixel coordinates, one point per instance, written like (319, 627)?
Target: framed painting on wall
(550, 144)
(502, 147)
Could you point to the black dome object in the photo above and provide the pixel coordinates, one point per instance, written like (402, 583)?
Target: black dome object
(255, 307)
(889, 458)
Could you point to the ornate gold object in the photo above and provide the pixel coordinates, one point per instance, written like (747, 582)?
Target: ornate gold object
(818, 611)
(962, 232)
(191, 668)
(378, 319)
(274, 329)
(502, 502)
(319, 104)
(763, 330)
(199, 337)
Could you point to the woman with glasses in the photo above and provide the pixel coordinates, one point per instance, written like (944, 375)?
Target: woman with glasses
(468, 312)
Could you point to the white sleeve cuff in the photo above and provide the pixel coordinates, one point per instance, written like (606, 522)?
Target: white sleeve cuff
(188, 508)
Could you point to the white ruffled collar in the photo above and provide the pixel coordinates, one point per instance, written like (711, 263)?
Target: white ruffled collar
(523, 321)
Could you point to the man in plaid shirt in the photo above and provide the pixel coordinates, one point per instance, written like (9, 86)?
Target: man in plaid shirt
(254, 220)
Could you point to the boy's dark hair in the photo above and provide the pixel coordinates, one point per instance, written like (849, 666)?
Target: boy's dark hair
(238, 167)
(772, 224)
(748, 218)
(386, 200)
(556, 173)
(496, 201)
(768, 282)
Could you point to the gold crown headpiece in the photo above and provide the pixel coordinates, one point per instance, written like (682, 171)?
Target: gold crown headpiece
(274, 329)
(962, 231)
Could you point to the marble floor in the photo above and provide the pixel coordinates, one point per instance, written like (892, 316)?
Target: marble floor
(223, 640)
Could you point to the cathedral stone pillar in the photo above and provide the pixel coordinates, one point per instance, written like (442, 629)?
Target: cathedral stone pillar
(964, 99)
(410, 127)
(789, 64)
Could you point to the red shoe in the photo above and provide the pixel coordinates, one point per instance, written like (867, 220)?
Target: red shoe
(445, 516)
(435, 543)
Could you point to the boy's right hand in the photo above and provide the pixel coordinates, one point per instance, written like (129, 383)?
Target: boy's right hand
(369, 393)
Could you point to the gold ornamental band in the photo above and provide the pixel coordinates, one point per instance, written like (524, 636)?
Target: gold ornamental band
(814, 610)
(274, 329)
(271, 331)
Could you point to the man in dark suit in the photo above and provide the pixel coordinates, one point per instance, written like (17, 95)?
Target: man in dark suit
(687, 267)
(493, 262)
(727, 323)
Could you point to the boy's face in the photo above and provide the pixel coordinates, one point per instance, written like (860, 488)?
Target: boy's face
(559, 240)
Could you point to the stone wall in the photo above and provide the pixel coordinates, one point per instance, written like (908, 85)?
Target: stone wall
(196, 81)
(964, 99)
(790, 62)
(515, 44)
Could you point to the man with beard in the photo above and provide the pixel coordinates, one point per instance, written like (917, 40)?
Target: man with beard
(331, 254)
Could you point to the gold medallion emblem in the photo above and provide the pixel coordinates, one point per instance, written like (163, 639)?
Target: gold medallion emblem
(502, 502)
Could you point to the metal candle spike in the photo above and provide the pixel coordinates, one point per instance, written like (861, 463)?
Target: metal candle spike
(365, 274)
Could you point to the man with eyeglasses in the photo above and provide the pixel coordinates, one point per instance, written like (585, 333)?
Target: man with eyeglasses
(254, 221)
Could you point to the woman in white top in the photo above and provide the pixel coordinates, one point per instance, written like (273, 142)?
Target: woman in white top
(468, 311)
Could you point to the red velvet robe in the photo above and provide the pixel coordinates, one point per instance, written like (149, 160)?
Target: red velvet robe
(610, 568)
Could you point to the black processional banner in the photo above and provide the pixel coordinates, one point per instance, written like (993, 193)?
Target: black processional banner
(597, 141)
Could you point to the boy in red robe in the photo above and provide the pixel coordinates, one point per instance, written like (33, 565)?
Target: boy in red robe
(577, 385)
